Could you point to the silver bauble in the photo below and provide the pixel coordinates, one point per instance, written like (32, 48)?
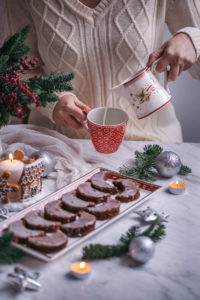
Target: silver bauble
(168, 163)
(141, 249)
(47, 160)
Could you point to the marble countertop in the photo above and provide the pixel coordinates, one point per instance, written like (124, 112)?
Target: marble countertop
(173, 272)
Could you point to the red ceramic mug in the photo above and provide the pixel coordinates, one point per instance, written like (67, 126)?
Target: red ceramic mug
(106, 126)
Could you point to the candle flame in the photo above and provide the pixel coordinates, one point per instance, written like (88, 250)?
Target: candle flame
(176, 182)
(10, 157)
(82, 265)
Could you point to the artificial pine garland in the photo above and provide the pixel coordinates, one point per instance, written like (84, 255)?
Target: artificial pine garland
(15, 93)
(155, 231)
(8, 254)
(144, 164)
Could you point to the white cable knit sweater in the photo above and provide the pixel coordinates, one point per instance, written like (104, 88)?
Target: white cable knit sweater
(103, 46)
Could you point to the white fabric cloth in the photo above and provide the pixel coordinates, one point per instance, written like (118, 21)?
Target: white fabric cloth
(67, 153)
(103, 46)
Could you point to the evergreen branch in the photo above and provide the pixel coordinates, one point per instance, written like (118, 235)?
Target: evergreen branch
(3, 63)
(98, 251)
(8, 254)
(155, 231)
(145, 162)
(159, 233)
(152, 150)
(53, 82)
(14, 43)
(19, 53)
(151, 227)
(47, 97)
(131, 233)
(137, 172)
(185, 170)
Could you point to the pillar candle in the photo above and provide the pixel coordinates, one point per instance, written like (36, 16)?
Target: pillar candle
(15, 167)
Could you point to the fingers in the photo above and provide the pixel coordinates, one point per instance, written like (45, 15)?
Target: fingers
(71, 122)
(76, 112)
(155, 55)
(162, 64)
(82, 105)
(173, 73)
(70, 112)
(178, 53)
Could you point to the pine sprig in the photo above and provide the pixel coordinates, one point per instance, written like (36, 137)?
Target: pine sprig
(8, 254)
(53, 82)
(14, 46)
(155, 231)
(145, 162)
(185, 170)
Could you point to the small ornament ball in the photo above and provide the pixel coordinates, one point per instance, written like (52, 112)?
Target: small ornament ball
(141, 249)
(168, 163)
(47, 160)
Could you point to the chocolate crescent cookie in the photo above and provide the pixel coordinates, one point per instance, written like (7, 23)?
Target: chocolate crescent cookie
(88, 193)
(51, 242)
(105, 210)
(99, 182)
(129, 190)
(54, 211)
(34, 220)
(84, 224)
(21, 233)
(73, 203)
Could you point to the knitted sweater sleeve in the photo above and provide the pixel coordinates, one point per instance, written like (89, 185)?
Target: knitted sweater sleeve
(184, 16)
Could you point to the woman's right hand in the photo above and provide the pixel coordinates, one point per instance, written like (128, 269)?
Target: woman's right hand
(70, 112)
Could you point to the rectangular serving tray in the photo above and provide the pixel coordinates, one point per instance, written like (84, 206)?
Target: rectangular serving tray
(146, 190)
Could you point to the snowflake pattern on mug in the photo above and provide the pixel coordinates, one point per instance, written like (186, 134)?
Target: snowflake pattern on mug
(107, 139)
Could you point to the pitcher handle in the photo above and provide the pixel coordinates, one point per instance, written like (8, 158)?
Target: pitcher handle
(153, 70)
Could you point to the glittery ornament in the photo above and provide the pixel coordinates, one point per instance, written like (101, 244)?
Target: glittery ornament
(168, 164)
(141, 249)
(47, 160)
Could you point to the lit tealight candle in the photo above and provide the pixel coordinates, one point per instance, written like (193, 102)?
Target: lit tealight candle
(176, 187)
(15, 167)
(81, 269)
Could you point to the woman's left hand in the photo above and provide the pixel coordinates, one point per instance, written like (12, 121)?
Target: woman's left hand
(178, 53)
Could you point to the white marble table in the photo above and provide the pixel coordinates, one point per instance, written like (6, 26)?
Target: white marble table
(173, 272)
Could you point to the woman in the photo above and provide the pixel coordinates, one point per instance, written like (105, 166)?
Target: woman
(103, 42)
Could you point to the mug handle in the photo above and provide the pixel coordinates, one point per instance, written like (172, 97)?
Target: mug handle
(85, 125)
(85, 122)
(153, 70)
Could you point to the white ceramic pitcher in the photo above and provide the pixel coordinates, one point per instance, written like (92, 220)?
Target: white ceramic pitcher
(144, 92)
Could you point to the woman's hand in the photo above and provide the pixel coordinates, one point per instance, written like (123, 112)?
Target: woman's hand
(178, 53)
(70, 112)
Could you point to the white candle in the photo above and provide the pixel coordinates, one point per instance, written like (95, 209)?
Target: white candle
(81, 269)
(15, 167)
(176, 187)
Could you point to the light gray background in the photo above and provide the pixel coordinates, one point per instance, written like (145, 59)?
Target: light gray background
(186, 100)
(186, 97)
